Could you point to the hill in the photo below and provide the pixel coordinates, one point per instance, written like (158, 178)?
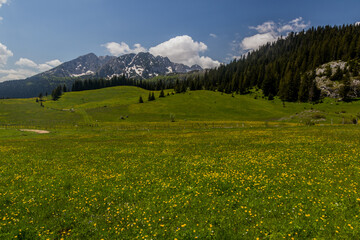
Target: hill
(120, 105)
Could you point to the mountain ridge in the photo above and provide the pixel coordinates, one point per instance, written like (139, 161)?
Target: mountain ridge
(139, 66)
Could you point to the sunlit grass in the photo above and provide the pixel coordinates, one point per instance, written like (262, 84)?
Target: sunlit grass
(198, 165)
(265, 182)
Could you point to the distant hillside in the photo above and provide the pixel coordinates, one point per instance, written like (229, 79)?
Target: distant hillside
(136, 66)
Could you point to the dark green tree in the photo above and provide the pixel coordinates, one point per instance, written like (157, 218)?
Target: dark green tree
(56, 93)
(338, 75)
(328, 71)
(345, 88)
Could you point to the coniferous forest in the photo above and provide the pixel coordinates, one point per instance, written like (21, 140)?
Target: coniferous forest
(286, 68)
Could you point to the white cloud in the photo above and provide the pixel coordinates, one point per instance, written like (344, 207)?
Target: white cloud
(357, 24)
(117, 49)
(27, 68)
(24, 62)
(4, 54)
(2, 2)
(270, 31)
(1, 18)
(254, 42)
(15, 74)
(265, 27)
(213, 35)
(183, 49)
(49, 65)
(27, 63)
(54, 63)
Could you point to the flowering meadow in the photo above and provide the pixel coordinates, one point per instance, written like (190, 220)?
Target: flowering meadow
(259, 182)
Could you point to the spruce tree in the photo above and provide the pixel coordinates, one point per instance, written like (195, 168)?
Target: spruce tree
(141, 100)
(345, 88)
(162, 94)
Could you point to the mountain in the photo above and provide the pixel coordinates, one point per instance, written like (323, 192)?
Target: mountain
(86, 65)
(139, 66)
(142, 66)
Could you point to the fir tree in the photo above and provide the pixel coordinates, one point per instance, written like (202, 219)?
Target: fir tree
(345, 88)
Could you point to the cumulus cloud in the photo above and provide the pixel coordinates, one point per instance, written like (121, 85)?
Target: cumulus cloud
(27, 63)
(4, 54)
(265, 27)
(49, 65)
(270, 31)
(117, 49)
(183, 49)
(15, 74)
(24, 62)
(26, 68)
(357, 23)
(254, 42)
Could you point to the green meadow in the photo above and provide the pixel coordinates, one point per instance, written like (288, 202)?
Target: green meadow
(195, 165)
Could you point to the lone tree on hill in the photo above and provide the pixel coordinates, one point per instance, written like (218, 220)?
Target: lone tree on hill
(141, 100)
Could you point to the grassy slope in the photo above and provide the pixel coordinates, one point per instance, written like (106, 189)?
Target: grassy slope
(110, 104)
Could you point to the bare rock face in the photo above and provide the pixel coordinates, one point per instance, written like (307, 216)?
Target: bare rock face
(331, 87)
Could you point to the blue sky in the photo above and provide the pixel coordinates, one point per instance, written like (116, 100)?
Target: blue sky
(36, 35)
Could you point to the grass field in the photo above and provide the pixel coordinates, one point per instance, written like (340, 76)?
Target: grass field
(227, 168)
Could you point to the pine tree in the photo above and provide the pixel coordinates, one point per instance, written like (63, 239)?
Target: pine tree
(345, 88)
(162, 94)
(338, 75)
(303, 95)
(141, 100)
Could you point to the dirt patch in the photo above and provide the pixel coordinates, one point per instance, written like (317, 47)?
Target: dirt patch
(35, 131)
